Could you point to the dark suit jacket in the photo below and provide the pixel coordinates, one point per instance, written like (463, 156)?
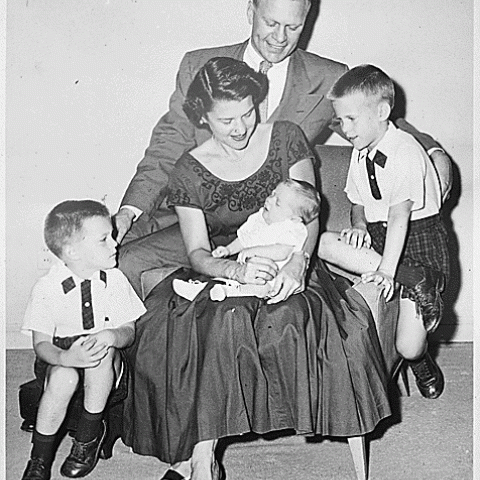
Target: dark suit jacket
(304, 102)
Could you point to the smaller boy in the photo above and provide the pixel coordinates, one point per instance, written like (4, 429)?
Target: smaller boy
(397, 233)
(276, 231)
(79, 314)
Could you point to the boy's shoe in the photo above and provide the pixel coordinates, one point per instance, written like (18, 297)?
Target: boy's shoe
(426, 295)
(429, 377)
(83, 457)
(37, 469)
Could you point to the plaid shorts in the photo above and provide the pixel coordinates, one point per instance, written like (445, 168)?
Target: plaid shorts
(119, 389)
(426, 244)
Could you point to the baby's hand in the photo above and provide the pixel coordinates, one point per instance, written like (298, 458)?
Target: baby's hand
(243, 256)
(382, 279)
(356, 237)
(220, 252)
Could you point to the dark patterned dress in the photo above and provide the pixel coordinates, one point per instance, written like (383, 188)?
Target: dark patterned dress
(202, 370)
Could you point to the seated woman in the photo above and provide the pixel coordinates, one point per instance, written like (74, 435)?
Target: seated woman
(304, 358)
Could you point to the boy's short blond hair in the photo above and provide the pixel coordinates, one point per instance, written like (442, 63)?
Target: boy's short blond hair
(66, 219)
(367, 79)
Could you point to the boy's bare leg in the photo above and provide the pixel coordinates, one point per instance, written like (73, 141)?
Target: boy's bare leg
(411, 337)
(99, 381)
(91, 430)
(60, 385)
(411, 343)
(333, 249)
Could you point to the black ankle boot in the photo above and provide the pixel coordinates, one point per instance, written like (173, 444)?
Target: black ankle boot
(429, 377)
(426, 295)
(83, 457)
(37, 469)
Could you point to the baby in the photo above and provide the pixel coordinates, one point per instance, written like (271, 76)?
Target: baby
(276, 231)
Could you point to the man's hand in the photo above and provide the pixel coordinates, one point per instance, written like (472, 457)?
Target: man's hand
(85, 352)
(443, 165)
(123, 222)
(356, 237)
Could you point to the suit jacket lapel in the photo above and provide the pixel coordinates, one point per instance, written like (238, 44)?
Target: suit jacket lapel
(298, 80)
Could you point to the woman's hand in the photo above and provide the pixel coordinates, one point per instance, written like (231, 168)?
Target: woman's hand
(257, 270)
(290, 280)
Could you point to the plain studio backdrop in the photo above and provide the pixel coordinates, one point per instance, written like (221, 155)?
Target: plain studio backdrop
(87, 80)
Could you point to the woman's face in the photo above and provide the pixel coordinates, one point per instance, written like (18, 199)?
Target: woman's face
(232, 122)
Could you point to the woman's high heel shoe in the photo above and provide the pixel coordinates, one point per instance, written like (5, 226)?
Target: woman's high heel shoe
(401, 369)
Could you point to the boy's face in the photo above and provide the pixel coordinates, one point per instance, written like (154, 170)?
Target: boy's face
(362, 119)
(94, 247)
(280, 205)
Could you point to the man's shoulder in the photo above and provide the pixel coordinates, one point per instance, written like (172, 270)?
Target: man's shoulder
(316, 62)
(203, 54)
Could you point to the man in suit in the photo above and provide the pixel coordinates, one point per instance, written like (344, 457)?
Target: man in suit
(298, 84)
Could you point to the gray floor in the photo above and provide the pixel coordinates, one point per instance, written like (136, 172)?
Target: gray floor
(427, 439)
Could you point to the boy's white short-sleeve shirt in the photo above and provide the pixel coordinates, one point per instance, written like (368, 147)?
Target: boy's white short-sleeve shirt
(408, 174)
(52, 311)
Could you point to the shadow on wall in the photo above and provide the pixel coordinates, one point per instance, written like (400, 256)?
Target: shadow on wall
(309, 24)
(450, 296)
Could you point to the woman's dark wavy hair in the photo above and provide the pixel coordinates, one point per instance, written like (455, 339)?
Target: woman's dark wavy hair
(222, 78)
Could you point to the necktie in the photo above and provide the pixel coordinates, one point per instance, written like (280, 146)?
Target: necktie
(87, 307)
(265, 66)
(380, 160)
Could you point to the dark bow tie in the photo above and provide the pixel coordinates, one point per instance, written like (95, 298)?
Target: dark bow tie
(379, 159)
(69, 283)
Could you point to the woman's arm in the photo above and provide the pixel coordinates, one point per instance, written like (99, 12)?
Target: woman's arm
(195, 236)
(291, 278)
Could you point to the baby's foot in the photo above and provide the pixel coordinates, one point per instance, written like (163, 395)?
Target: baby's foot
(188, 290)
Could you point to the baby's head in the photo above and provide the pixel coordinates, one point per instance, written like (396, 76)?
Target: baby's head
(79, 232)
(294, 200)
(362, 99)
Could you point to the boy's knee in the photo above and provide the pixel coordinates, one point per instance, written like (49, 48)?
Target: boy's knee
(62, 380)
(326, 245)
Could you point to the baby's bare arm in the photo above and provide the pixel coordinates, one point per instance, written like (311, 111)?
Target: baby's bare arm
(227, 250)
(276, 252)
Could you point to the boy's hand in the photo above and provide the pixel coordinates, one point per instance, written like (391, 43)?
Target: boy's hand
(382, 279)
(356, 237)
(85, 352)
(220, 252)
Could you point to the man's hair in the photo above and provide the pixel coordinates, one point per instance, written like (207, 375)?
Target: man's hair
(66, 219)
(222, 78)
(308, 207)
(366, 79)
(307, 3)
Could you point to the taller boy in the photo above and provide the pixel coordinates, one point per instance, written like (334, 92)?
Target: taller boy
(397, 233)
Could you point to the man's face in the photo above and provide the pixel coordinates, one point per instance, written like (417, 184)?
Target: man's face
(276, 27)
